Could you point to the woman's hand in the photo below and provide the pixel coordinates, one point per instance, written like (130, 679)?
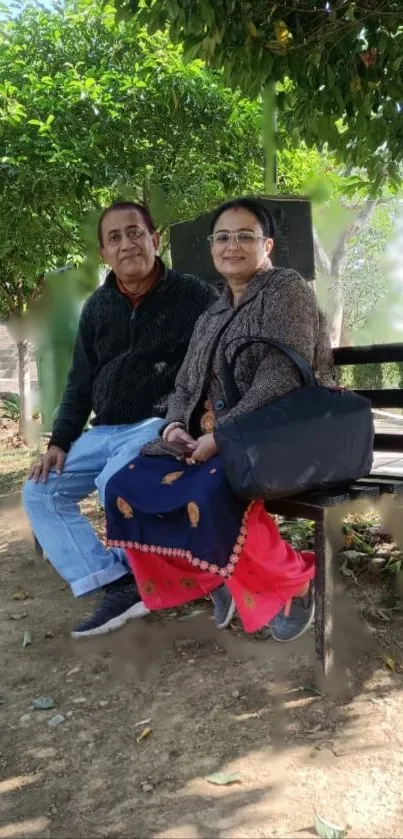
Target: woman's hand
(179, 435)
(204, 449)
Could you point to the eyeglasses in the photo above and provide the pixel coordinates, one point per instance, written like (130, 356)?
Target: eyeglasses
(243, 238)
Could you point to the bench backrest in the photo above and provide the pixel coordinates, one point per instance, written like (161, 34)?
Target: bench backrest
(382, 398)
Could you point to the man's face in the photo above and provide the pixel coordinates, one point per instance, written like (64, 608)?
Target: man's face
(128, 247)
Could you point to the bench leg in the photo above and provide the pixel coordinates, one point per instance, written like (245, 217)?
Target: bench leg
(324, 596)
(38, 547)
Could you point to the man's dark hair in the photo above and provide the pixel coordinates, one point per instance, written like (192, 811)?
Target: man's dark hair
(252, 205)
(127, 205)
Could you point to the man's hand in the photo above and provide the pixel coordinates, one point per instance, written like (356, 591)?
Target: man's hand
(204, 449)
(54, 458)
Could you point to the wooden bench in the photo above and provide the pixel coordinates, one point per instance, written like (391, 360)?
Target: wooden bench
(327, 508)
(320, 507)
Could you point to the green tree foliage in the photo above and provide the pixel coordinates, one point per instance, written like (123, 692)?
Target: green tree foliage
(338, 66)
(90, 108)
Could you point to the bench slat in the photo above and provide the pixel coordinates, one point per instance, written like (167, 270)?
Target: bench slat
(388, 443)
(311, 505)
(376, 354)
(387, 398)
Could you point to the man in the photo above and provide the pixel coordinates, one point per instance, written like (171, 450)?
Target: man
(132, 338)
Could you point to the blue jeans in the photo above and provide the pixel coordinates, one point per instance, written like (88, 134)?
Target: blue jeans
(65, 535)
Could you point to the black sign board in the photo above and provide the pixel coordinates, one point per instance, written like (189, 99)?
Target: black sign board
(293, 244)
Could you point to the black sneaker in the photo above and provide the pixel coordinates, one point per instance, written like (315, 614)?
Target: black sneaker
(120, 604)
(299, 619)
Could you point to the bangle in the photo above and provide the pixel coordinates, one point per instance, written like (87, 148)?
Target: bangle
(169, 428)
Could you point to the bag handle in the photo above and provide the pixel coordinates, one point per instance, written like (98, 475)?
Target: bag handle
(232, 391)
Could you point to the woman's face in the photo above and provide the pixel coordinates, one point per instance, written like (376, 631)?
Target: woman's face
(239, 248)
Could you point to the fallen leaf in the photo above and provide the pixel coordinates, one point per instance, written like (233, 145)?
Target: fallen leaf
(328, 830)
(20, 595)
(142, 722)
(390, 662)
(18, 617)
(311, 689)
(348, 572)
(223, 779)
(74, 670)
(43, 703)
(147, 787)
(27, 638)
(145, 733)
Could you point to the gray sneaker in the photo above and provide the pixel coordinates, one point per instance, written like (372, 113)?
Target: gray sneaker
(299, 619)
(224, 607)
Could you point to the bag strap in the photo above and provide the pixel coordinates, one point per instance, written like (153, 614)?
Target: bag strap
(215, 343)
(232, 391)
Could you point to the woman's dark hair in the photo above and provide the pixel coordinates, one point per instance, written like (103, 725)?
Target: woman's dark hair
(256, 208)
(127, 205)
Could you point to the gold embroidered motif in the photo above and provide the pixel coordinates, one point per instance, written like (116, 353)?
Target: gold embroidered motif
(124, 508)
(249, 600)
(207, 421)
(187, 582)
(193, 513)
(170, 478)
(148, 587)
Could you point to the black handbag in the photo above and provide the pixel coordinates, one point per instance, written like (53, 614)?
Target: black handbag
(314, 437)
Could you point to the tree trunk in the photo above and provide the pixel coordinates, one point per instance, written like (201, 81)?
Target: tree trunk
(269, 137)
(24, 380)
(332, 268)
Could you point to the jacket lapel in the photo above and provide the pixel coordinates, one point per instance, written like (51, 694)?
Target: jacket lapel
(224, 302)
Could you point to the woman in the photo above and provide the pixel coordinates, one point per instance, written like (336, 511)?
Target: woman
(184, 529)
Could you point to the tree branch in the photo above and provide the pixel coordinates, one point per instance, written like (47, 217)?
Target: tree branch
(352, 229)
(322, 259)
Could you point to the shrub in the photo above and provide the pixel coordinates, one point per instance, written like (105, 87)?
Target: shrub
(10, 406)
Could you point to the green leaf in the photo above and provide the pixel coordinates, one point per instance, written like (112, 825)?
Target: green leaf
(207, 13)
(223, 779)
(191, 50)
(328, 830)
(27, 638)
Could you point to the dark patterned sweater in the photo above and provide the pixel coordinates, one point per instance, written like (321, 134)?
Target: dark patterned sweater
(126, 359)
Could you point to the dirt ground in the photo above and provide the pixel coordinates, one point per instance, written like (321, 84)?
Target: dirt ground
(211, 702)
